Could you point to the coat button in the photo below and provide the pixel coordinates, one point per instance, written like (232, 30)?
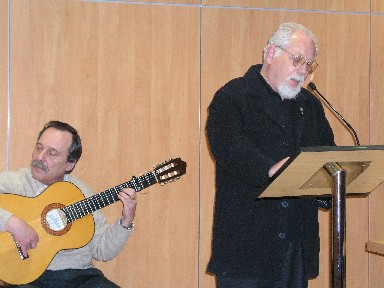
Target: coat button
(284, 204)
(281, 235)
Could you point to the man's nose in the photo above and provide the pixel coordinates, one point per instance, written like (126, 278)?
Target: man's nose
(40, 155)
(304, 69)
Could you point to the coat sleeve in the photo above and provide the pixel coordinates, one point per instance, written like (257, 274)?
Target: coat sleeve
(229, 145)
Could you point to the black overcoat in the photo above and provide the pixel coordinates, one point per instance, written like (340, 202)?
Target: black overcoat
(245, 136)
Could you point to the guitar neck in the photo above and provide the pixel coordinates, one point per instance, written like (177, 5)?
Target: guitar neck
(87, 206)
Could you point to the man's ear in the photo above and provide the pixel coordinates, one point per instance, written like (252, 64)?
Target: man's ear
(70, 166)
(270, 54)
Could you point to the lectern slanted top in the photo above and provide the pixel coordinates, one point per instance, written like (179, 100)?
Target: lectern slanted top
(304, 174)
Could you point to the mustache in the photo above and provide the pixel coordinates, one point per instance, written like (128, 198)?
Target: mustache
(299, 78)
(39, 164)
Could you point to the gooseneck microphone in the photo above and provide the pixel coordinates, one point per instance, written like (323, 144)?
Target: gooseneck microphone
(313, 87)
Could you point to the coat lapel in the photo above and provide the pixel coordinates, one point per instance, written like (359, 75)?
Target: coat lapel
(262, 95)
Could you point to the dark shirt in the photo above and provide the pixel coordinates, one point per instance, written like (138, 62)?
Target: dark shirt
(249, 129)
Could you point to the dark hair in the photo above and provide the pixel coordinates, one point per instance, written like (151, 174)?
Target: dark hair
(75, 150)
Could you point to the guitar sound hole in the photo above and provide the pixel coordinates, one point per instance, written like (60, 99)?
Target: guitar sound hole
(54, 220)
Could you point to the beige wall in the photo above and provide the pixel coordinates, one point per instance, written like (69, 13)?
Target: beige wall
(3, 82)
(136, 80)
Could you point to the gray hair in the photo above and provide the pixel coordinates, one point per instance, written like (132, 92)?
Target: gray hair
(283, 35)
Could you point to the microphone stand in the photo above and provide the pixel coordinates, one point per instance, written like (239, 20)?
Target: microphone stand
(313, 87)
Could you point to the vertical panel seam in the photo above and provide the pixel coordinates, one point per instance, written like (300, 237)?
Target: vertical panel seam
(369, 130)
(9, 87)
(200, 146)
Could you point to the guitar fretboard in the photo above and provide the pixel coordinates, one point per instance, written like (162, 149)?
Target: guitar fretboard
(103, 199)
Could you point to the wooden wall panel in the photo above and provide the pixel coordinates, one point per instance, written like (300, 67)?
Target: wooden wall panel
(3, 83)
(127, 77)
(338, 81)
(328, 5)
(377, 6)
(223, 59)
(168, 2)
(377, 138)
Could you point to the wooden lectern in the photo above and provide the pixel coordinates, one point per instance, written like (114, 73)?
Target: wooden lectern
(334, 171)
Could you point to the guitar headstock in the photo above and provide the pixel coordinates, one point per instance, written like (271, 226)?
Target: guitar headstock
(170, 170)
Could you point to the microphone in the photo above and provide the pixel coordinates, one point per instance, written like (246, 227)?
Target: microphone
(313, 87)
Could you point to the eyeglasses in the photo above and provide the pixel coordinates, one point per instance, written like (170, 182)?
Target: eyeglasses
(299, 60)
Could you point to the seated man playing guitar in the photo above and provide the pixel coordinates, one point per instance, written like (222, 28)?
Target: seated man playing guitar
(57, 150)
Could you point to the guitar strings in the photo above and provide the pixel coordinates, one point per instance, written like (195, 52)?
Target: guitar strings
(137, 183)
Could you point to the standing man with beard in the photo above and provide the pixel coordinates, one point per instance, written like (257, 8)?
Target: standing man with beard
(56, 153)
(255, 123)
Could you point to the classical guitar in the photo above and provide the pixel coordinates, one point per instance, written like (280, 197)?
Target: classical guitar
(62, 217)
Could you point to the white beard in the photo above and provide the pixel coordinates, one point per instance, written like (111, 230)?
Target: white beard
(288, 93)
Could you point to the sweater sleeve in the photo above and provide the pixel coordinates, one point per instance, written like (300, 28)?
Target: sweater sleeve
(4, 217)
(4, 188)
(17, 183)
(109, 239)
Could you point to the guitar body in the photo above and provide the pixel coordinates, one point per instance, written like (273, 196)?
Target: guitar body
(13, 269)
